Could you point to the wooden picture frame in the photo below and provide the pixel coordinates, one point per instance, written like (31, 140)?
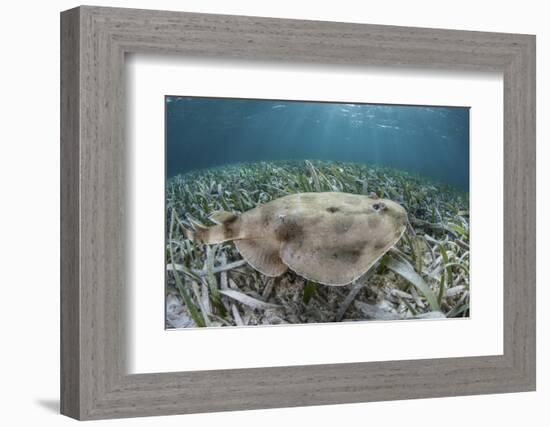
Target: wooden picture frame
(94, 41)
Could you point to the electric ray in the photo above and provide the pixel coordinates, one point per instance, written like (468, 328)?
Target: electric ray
(330, 238)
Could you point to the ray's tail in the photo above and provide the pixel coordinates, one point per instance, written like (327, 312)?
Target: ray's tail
(188, 233)
(225, 230)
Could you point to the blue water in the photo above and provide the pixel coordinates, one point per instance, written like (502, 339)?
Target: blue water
(425, 140)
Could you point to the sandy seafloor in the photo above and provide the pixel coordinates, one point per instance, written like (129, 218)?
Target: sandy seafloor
(426, 274)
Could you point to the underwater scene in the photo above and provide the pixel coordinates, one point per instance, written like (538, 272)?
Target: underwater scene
(293, 212)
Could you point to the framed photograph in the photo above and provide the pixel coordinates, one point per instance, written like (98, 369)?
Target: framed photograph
(305, 233)
(262, 213)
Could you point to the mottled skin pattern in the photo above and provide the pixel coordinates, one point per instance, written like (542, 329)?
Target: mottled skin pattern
(330, 238)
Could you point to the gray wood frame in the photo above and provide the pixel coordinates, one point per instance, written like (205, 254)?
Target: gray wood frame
(94, 41)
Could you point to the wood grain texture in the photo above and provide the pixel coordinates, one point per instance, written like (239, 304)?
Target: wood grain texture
(70, 292)
(94, 272)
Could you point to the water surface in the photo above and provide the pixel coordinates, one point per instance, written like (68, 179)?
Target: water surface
(429, 141)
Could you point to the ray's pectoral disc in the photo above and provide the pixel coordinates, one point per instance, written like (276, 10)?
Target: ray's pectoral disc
(330, 238)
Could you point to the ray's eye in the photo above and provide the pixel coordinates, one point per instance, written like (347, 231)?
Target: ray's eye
(379, 206)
